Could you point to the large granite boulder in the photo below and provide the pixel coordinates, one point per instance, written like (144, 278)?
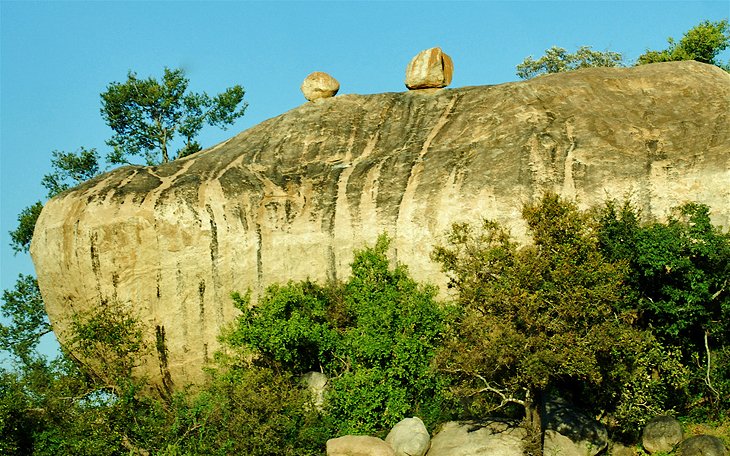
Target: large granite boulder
(319, 85)
(478, 439)
(290, 198)
(570, 432)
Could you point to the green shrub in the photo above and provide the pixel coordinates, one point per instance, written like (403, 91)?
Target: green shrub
(374, 335)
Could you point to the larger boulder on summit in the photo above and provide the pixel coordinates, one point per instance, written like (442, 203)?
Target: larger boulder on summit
(292, 197)
(430, 69)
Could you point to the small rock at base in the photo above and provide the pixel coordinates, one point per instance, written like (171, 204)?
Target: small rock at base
(319, 85)
(409, 437)
(661, 433)
(358, 445)
(702, 445)
(429, 69)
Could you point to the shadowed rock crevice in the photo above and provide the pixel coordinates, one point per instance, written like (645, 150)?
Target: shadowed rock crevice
(292, 197)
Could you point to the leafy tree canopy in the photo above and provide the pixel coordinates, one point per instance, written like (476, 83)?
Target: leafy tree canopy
(680, 274)
(28, 322)
(701, 43)
(548, 316)
(558, 60)
(70, 169)
(147, 115)
(375, 335)
(67, 170)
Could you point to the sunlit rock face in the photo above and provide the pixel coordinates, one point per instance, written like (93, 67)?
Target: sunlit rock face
(291, 198)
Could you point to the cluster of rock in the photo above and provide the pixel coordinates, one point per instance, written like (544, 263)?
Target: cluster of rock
(429, 69)
(568, 433)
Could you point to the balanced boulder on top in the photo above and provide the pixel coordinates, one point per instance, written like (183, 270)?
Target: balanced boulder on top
(430, 69)
(319, 85)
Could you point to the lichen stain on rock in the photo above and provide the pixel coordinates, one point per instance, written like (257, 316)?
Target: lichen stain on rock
(292, 197)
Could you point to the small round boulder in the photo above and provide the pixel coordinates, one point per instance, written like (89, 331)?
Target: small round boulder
(319, 85)
(702, 445)
(661, 433)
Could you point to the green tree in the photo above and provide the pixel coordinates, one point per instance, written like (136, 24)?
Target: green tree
(558, 60)
(374, 335)
(21, 236)
(702, 43)
(680, 271)
(548, 316)
(28, 322)
(147, 115)
(67, 170)
(70, 169)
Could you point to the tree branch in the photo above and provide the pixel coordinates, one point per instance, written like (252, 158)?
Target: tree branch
(707, 378)
(505, 398)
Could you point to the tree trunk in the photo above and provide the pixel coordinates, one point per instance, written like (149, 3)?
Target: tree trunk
(533, 416)
(163, 147)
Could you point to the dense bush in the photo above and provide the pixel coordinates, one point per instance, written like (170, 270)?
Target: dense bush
(680, 277)
(374, 336)
(554, 315)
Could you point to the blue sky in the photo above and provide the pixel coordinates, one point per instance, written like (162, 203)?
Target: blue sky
(57, 57)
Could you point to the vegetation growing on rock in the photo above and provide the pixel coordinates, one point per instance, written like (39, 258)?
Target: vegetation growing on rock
(566, 314)
(701, 43)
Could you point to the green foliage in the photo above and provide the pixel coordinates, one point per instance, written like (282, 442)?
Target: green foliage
(701, 43)
(146, 115)
(28, 322)
(680, 272)
(70, 169)
(245, 410)
(111, 341)
(21, 237)
(548, 316)
(558, 60)
(374, 335)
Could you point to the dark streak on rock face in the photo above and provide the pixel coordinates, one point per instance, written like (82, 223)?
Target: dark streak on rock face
(161, 348)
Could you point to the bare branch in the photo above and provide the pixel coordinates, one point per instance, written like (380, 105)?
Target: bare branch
(501, 393)
(707, 378)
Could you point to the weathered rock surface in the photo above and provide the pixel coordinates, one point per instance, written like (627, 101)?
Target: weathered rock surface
(319, 85)
(471, 439)
(702, 445)
(290, 198)
(429, 69)
(661, 433)
(409, 437)
(358, 445)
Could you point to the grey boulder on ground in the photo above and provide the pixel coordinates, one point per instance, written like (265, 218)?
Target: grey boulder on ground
(409, 437)
(319, 85)
(661, 433)
(430, 69)
(702, 445)
(472, 439)
(358, 445)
